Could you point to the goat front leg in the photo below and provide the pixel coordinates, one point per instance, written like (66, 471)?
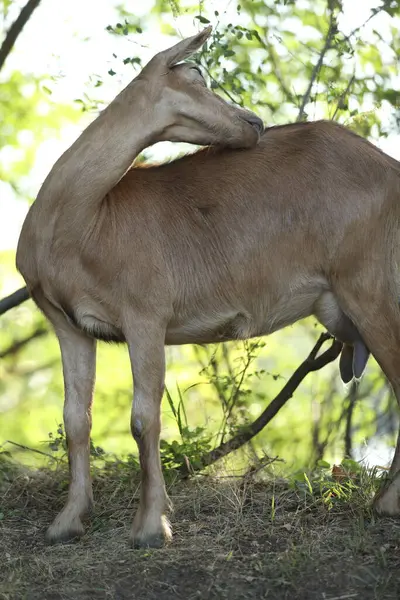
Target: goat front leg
(79, 363)
(146, 349)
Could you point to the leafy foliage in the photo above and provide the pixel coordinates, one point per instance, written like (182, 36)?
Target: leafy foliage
(28, 117)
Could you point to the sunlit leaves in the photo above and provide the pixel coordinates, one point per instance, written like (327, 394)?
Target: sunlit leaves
(26, 105)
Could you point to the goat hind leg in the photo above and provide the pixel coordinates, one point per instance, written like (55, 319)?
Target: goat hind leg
(79, 359)
(387, 500)
(377, 317)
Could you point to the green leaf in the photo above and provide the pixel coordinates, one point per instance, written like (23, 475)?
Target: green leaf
(323, 464)
(202, 19)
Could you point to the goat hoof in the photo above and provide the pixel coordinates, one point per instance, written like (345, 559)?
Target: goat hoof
(155, 540)
(56, 534)
(157, 535)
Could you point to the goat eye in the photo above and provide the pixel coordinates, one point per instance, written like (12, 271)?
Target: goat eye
(196, 68)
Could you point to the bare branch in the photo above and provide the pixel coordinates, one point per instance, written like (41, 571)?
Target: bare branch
(16, 29)
(374, 12)
(317, 67)
(277, 72)
(237, 387)
(348, 439)
(320, 441)
(15, 299)
(23, 447)
(16, 346)
(221, 87)
(312, 363)
(342, 97)
(214, 380)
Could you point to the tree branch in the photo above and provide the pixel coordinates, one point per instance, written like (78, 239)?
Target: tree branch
(23, 447)
(314, 74)
(236, 388)
(16, 346)
(348, 438)
(374, 12)
(312, 363)
(15, 299)
(277, 72)
(16, 29)
(342, 97)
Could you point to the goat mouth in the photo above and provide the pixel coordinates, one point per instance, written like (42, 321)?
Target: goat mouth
(257, 124)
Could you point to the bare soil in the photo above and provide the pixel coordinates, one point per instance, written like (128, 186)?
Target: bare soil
(233, 539)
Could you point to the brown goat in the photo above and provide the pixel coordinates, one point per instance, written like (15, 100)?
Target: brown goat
(219, 245)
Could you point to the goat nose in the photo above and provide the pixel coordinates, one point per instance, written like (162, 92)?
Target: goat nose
(255, 122)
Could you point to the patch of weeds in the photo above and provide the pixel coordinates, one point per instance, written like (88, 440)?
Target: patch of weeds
(337, 485)
(189, 450)
(193, 445)
(57, 442)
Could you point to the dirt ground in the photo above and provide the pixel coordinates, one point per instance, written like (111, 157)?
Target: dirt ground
(232, 539)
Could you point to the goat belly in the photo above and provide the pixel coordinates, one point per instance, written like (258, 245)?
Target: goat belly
(206, 329)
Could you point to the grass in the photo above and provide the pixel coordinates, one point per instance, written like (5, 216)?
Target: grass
(308, 538)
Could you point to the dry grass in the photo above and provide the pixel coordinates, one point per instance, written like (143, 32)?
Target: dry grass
(232, 539)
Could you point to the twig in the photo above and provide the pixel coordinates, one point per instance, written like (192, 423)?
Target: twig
(317, 67)
(374, 12)
(342, 97)
(348, 441)
(225, 354)
(16, 29)
(16, 346)
(266, 461)
(274, 61)
(236, 388)
(15, 299)
(327, 46)
(312, 363)
(239, 102)
(344, 597)
(319, 443)
(30, 449)
(215, 380)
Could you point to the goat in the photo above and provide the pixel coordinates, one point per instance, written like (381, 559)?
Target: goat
(231, 242)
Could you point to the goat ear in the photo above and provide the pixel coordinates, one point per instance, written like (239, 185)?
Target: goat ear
(170, 57)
